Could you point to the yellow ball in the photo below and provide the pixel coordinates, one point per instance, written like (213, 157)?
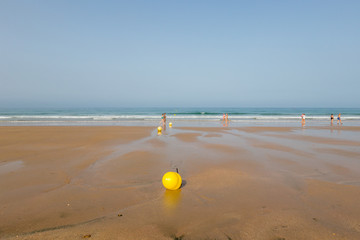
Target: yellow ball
(170, 124)
(159, 129)
(172, 180)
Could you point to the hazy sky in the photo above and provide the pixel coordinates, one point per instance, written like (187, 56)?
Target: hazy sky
(180, 53)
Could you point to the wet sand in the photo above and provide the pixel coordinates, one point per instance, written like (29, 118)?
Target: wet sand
(270, 183)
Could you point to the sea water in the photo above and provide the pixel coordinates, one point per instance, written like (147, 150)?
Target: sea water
(206, 116)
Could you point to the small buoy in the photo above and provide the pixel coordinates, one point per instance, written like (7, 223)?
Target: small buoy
(172, 180)
(159, 130)
(170, 124)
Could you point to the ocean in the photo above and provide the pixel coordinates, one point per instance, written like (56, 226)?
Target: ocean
(206, 116)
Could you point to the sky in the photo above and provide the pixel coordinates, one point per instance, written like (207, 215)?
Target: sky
(179, 53)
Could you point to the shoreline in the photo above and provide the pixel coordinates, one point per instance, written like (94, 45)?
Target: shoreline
(184, 117)
(185, 123)
(257, 182)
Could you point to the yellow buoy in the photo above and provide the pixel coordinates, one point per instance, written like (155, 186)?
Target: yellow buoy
(159, 130)
(170, 124)
(172, 180)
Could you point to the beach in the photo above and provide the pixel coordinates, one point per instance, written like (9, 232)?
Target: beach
(252, 182)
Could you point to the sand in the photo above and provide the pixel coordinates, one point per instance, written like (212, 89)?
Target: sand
(270, 183)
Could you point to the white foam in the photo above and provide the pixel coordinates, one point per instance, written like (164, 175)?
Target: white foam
(197, 117)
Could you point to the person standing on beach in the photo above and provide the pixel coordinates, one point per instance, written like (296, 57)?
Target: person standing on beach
(332, 119)
(303, 117)
(339, 119)
(225, 120)
(163, 121)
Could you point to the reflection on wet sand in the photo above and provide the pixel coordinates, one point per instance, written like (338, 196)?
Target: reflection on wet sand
(171, 200)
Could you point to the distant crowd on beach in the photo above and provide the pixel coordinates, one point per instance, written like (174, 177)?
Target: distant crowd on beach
(331, 119)
(226, 120)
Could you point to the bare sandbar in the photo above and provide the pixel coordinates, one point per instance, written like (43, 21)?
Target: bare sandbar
(245, 183)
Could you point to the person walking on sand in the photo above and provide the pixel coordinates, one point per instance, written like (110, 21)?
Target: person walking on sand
(332, 119)
(339, 119)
